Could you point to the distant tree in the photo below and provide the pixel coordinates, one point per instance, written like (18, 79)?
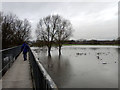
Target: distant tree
(118, 38)
(46, 30)
(64, 31)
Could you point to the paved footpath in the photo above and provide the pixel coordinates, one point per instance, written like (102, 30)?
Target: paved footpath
(18, 76)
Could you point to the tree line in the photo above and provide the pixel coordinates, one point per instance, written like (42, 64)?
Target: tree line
(50, 30)
(14, 31)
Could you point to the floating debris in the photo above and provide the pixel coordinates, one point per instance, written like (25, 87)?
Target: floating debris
(81, 53)
(77, 53)
(98, 53)
(98, 57)
(104, 63)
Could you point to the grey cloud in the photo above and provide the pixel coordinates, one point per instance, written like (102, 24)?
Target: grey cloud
(89, 19)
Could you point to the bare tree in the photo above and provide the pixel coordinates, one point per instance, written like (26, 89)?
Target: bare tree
(46, 30)
(53, 29)
(23, 30)
(7, 31)
(14, 30)
(64, 31)
(1, 20)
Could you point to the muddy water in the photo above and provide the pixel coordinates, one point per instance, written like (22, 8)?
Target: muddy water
(82, 66)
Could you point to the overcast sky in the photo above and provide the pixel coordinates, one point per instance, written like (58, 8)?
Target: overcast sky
(90, 20)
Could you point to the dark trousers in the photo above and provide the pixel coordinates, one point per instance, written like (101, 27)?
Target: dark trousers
(25, 56)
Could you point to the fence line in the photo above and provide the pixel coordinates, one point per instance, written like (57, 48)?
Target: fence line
(8, 56)
(41, 78)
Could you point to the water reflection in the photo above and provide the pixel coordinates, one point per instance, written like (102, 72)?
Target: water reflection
(58, 67)
(83, 67)
(118, 50)
(94, 48)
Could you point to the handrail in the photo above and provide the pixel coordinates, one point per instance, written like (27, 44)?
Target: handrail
(8, 56)
(9, 48)
(48, 83)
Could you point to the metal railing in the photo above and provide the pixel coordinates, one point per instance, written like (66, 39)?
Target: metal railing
(41, 79)
(8, 57)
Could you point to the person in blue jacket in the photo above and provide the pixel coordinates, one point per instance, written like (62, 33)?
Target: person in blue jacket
(25, 49)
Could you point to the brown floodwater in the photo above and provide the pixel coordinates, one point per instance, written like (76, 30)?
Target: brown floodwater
(82, 66)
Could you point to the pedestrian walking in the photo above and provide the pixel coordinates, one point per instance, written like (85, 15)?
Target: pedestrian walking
(25, 48)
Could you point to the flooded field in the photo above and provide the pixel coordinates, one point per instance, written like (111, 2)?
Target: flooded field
(82, 66)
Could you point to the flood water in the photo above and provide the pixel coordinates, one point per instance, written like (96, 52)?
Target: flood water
(82, 66)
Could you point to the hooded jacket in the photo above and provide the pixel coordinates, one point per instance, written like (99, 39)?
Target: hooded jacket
(25, 48)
